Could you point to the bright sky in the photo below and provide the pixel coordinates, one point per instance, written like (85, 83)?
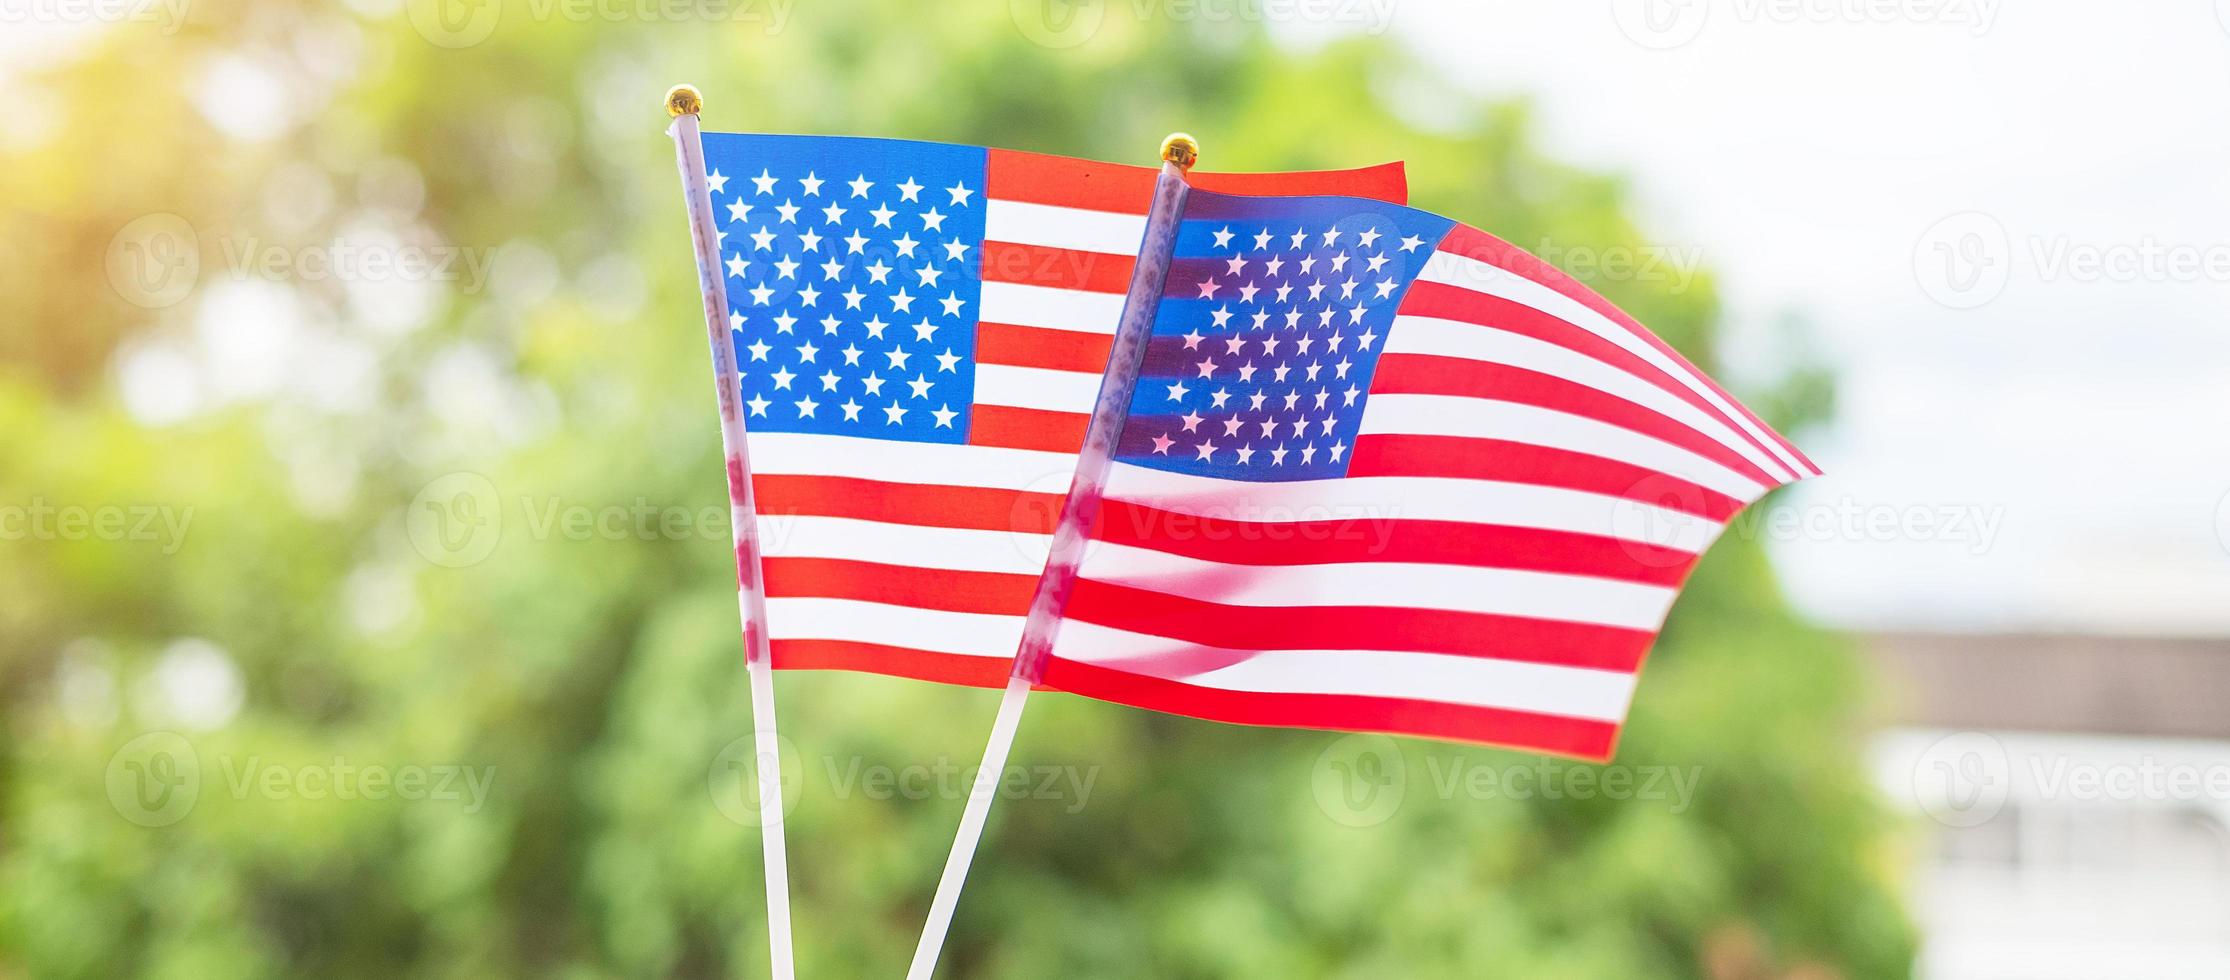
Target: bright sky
(2050, 447)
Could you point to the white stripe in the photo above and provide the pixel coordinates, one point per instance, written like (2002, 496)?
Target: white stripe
(970, 634)
(1464, 272)
(1482, 418)
(1573, 692)
(954, 549)
(1413, 498)
(1475, 342)
(899, 461)
(1046, 306)
(1053, 226)
(1023, 387)
(1392, 585)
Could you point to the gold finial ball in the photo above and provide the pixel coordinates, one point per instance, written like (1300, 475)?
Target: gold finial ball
(683, 100)
(1181, 149)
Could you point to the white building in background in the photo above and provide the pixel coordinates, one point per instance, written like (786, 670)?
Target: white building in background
(2070, 803)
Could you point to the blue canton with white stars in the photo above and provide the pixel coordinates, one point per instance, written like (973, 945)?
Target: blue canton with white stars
(1269, 332)
(853, 281)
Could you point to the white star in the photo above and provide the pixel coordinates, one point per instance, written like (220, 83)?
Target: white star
(1233, 345)
(1193, 339)
(735, 320)
(1331, 236)
(924, 329)
(875, 327)
(1231, 426)
(944, 414)
(1223, 238)
(1246, 293)
(829, 380)
(765, 181)
(782, 378)
(860, 184)
(810, 240)
(1246, 453)
(878, 272)
(1410, 242)
(736, 265)
(928, 275)
(947, 362)
(1207, 449)
(1218, 397)
(813, 186)
(1337, 449)
(1222, 316)
(1277, 456)
(952, 303)
(806, 405)
(852, 297)
(851, 354)
(762, 240)
(783, 322)
(873, 383)
(1262, 240)
(835, 213)
(761, 295)
(737, 210)
(894, 414)
(933, 220)
(959, 192)
(1246, 374)
(1299, 236)
(807, 352)
(909, 191)
(831, 269)
(882, 216)
(921, 385)
(1192, 421)
(789, 211)
(1162, 444)
(1350, 394)
(716, 182)
(1235, 264)
(1269, 428)
(809, 296)
(1308, 454)
(1363, 342)
(851, 410)
(855, 242)
(956, 250)
(902, 301)
(1274, 265)
(1254, 401)
(1385, 288)
(786, 269)
(897, 358)
(758, 405)
(905, 245)
(759, 349)
(1177, 392)
(829, 324)
(1208, 289)
(1207, 367)
(1376, 261)
(1368, 237)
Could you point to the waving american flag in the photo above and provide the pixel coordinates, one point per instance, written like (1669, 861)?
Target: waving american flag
(920, 330)
(1384, 472)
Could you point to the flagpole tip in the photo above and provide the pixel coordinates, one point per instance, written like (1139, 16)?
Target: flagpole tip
(1180, 149)
(683, 100)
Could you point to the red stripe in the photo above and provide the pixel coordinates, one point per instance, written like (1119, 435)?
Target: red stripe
(875, 658)
(1447, 302)
(1426, 374)
(1037, 178)
(1027, 428)
(1042, 347)
(1454, 457)
(924, 505)
(1587, 739)
(1358, 628)
(900, 585)
(1056, 268)
(1240, 542)
(1472, 243)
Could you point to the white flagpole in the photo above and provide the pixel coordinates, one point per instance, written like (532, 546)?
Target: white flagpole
(683, 104)
(1178, 153)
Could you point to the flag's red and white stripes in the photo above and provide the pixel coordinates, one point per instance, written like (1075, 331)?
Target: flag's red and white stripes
(919, 560)
(1535, 475)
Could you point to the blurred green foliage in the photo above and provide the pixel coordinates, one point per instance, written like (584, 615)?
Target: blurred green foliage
(595, 679)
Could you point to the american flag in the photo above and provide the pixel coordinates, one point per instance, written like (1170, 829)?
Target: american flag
(1383, 472)
(920, 330)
